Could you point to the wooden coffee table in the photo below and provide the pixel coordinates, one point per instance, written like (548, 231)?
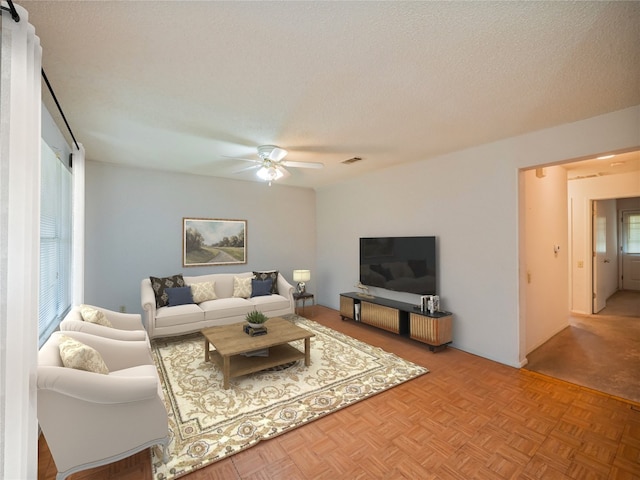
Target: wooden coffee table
(230, 342)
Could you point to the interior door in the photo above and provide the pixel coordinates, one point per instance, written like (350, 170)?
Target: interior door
(631, 250)
(599, 238)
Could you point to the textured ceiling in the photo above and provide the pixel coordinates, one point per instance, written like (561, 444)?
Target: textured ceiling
(179, 86)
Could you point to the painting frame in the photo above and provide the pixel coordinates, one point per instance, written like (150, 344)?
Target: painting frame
(213, 241)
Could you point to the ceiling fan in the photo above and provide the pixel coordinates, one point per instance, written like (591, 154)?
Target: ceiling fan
(271, 166)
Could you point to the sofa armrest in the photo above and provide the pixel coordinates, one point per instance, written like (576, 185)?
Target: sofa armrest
(286, 290)
(148, 302)
(95, 387)
(123, 321)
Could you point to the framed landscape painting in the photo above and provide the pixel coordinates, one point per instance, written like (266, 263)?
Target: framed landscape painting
(213, 241)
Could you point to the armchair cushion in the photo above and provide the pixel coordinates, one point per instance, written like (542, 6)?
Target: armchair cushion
(75, 354)
(92, 315)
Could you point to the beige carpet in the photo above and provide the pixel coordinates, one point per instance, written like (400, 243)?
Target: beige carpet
(209, 423)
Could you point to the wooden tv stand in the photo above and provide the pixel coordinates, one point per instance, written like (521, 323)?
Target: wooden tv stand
(398, 317)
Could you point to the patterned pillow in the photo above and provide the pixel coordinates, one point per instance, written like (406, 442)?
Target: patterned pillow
(159, 286)
(203, 291)
(92, 315)
(75, 354)
(242, 287)
(270, 275)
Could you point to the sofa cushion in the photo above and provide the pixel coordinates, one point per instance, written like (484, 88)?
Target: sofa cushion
(93, 315)
(260, 288)
(242, 287)
(179, 296)
(203, 291)
(269, 275)
(226, 307)
(75, 354)
(159, 286)
(180, 315)
(270, 303)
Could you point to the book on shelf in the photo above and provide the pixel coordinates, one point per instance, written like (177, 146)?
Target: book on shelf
(263, 352)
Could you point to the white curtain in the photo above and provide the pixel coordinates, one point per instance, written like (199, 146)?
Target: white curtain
(78, 224)
(20, 100)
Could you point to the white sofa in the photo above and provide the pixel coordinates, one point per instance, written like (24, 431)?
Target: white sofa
(225, 309)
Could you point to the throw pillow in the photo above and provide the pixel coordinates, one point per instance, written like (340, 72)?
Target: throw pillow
(242, 287)
(159, 286)
(260, 288)
(203, 291)
(270, 275)
(92, 315)
(179, 296)
(75, 354)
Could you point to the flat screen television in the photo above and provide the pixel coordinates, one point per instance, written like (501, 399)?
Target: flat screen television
(402, 264)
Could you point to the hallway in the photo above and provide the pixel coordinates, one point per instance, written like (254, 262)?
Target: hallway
(600, 351)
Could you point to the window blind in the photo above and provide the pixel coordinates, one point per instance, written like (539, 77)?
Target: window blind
(633, 233)
(55, 242)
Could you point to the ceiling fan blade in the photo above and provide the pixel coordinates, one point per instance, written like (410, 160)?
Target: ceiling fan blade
(245, 169)
(288, 163)
(277, 154)
(254, 160)
(285, 173)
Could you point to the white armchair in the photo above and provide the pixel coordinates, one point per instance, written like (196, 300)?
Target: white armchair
(91, 419)
(126, 326)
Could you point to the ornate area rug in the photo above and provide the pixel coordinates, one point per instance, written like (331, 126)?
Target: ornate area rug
(208, 423)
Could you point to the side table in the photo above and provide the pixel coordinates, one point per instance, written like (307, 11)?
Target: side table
(304, 297)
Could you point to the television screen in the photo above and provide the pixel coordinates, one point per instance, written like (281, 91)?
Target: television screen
(402, 264)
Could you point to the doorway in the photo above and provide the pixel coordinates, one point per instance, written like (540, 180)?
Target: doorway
(630, 250)
(599, 351)
(616, 256)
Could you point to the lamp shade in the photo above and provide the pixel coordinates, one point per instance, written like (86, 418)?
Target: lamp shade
(301, 275)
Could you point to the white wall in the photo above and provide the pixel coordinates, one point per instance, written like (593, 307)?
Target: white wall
(581, 193)
(469, 200)
(546, 283)
(628, 204)
(134, 227)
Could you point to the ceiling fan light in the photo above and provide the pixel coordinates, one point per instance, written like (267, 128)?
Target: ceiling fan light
(263, 173)
(269, 174)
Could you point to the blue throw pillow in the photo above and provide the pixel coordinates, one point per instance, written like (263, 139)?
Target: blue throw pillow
(260, 288)
(179, 296)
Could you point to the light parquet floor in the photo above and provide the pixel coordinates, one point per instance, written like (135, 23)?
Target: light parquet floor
(469, 418)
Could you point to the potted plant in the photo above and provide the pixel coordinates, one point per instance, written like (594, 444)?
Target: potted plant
(256, 319)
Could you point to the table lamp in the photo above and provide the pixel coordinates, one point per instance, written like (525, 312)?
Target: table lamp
(301, 276)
